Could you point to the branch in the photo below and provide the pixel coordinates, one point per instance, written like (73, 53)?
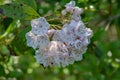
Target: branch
(110, 19)
(114, 17)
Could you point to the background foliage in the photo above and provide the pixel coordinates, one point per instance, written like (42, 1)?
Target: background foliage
(100, 62)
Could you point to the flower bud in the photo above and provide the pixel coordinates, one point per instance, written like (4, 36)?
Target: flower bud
(63, 12)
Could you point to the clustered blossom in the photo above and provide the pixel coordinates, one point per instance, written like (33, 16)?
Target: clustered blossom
(59, 47)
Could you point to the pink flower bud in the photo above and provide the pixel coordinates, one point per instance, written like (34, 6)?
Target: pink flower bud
(63, 12)
(50, 32)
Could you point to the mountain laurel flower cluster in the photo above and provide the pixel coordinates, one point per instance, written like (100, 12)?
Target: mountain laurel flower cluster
(63, 46)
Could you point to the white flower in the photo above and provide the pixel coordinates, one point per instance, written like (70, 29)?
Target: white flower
(89, 32)
(78, 44)
(53, 54)
(39, 55)
(70, 6)
(85, 41)
(39, 26)
(31, 40)
(78, 57)
(70, 60)
(60, 47)
(63, 36)
(76, 17)
(80, 28)
(42, 41)
(78, 10)
(73, 23)
(64, 12)
(58, 35)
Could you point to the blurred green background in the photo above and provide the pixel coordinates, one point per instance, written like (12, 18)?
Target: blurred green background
(100, 62)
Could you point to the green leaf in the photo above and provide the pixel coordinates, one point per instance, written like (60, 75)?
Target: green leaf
(25, 60)
(10, 28)
(1, 2)
(98, 34)
(30, 3)
(19, 41)
(2, 72)
(19, 11)
(115, 48)
(14, 73)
